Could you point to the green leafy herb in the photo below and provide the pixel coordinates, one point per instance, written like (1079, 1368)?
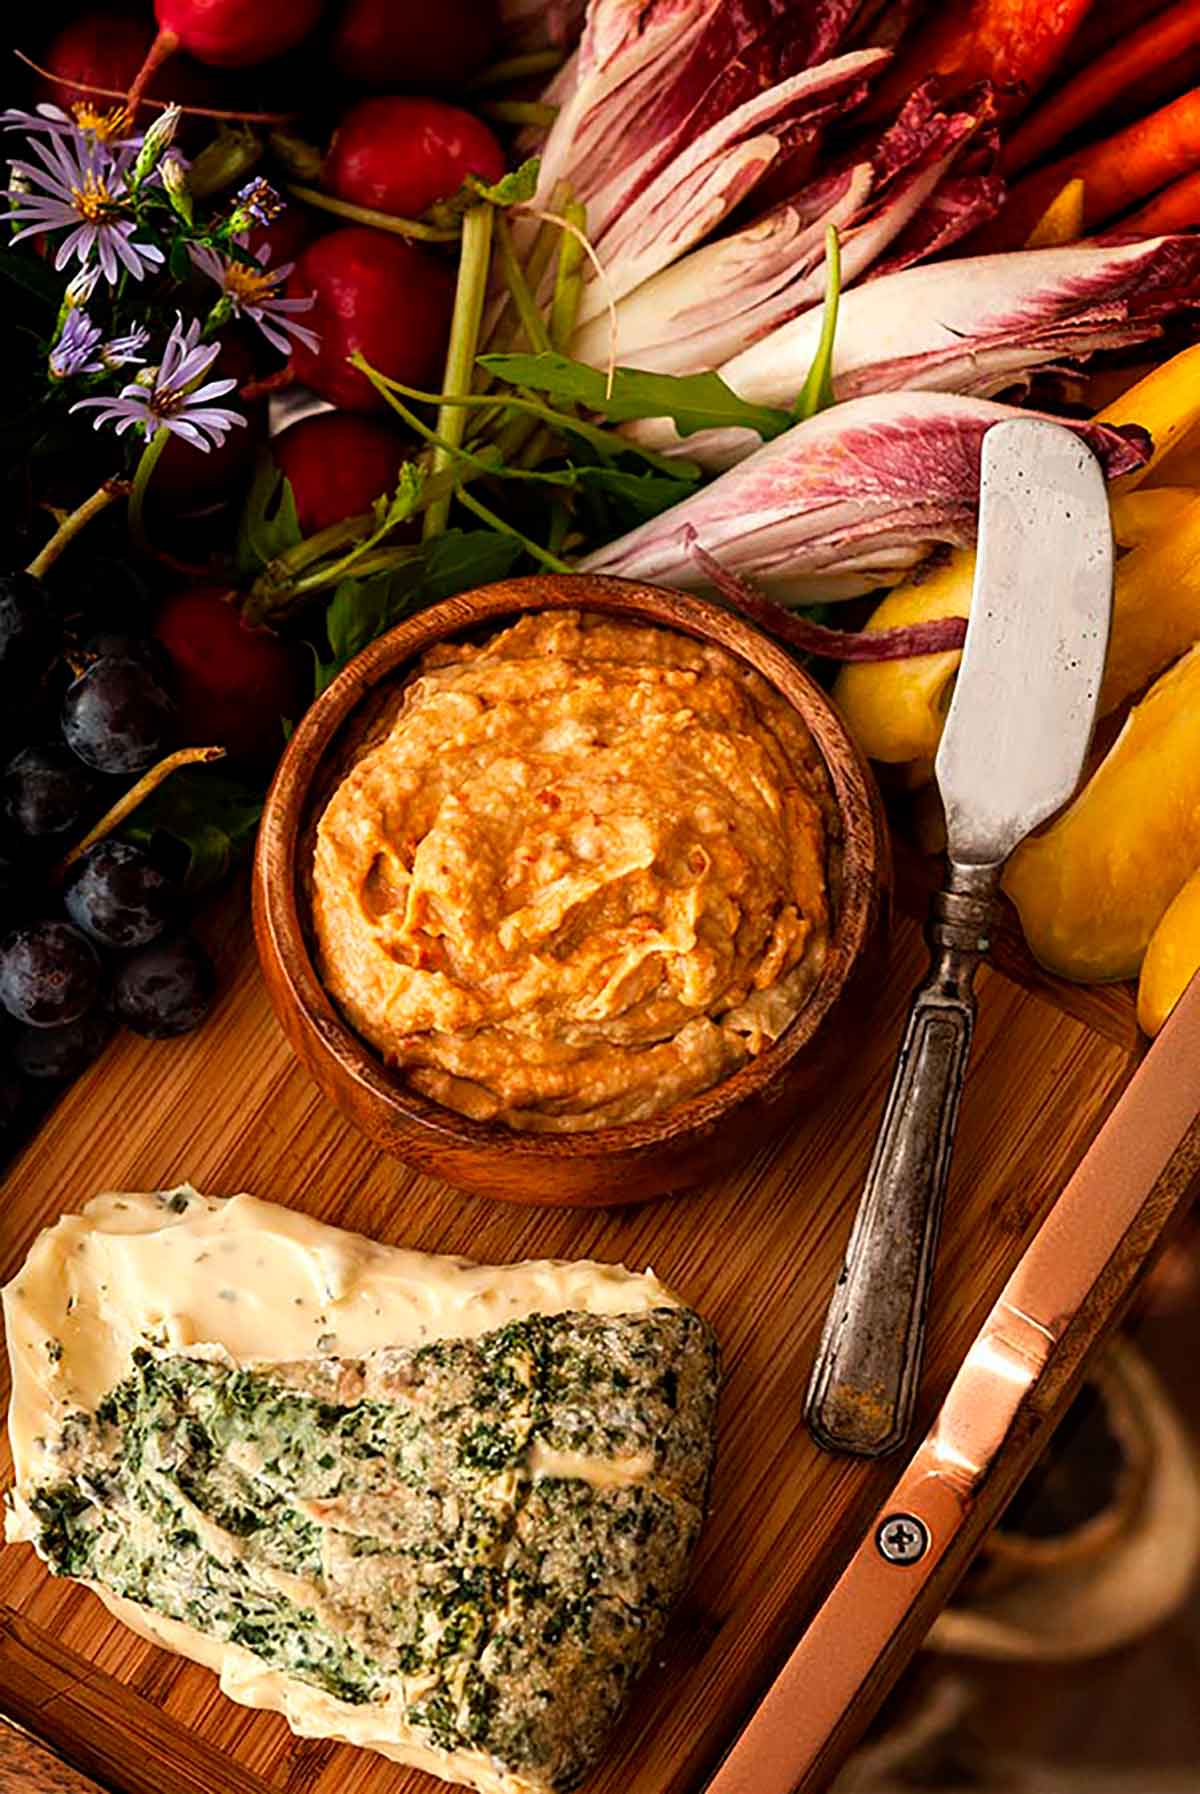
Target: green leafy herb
(363, 609)
(817, 392)
(516, 188)
(269, 525)
(210, 816)
(692, 401)
(615, 500)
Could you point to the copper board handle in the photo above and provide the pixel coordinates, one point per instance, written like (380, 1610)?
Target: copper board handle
(864, 1382)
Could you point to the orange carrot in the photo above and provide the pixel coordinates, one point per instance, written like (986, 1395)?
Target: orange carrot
(1156, 45)
(1177, 207)
(1013, 43)
(1115, 173)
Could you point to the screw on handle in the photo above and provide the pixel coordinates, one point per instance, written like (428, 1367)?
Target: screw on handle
(864, 1381)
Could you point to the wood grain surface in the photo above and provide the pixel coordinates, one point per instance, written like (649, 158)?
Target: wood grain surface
(27, 1767)
(756, 1251)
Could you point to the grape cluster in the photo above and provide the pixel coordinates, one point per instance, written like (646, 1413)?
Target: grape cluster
(83, 716)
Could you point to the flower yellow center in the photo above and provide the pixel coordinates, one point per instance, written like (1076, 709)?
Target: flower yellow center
(246, 286)
(94, 201)
(103, 125)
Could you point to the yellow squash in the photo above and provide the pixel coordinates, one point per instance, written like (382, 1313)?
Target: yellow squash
(1092, 889)
(1172, 958)
(895, 709)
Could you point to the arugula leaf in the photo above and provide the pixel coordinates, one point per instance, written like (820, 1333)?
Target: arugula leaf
(269, 524)
(620, 500)
(210, 816)
(692, 401)
(516, 188)
(459, 560)
(817, 392)
(362, 609)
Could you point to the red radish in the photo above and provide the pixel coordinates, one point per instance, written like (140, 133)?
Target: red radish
(106, 48)
(231, 34)
(285, 236)
(378, 43)
(402, 155)
(337, 464)
(232, 684)
(379, 294)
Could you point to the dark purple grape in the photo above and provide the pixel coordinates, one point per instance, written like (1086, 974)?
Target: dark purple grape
(45, 791)
(28, 636)
(62, 1052)
(166, 988)
(118, 896)
(116, 716)
(115, 644)
(49, 974)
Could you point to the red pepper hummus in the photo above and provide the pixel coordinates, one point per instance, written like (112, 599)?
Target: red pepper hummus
(580, 877)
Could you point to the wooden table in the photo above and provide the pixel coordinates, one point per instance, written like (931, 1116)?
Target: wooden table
(794, 1625)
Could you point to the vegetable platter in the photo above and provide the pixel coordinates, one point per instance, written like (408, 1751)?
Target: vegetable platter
(327, 315)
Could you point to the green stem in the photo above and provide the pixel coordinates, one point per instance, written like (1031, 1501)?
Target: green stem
(516, 68)
(76, 520)
(527, 311)
(474, 263)
(535, 549)
(141, 479)
(519, 112)
(313, 548)
(568, 279)
(817, 392)
(399, 227)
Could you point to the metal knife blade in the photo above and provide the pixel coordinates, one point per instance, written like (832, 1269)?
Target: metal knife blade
(1013, 748)
(1024, 704)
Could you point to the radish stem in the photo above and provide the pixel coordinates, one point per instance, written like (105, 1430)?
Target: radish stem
(160, 51)
(141, 479)
(519, 112)
(473, 268)
(506, 529)
(516, 68)
(568, 279)
(344, 208)
(531, 318)
(73, 522)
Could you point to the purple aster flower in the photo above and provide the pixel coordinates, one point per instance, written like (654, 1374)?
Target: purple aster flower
(84, 192)
(75, 350)
(81, 286)
(171, 396)
(251, 293)
(258, 201)
(120, 351)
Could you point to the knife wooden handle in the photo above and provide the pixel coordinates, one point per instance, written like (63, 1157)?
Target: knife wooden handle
(864, 1381)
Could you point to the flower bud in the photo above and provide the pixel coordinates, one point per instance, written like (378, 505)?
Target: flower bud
(159, 137)
(177, 186)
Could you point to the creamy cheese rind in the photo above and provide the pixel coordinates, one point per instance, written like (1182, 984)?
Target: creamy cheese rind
(444, 1516)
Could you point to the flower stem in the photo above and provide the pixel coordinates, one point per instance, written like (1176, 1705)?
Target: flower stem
(399, 227)
(516, 68)
(473, 266)
(128, 802)
(74, 521)
(141, 479)
(568, 279)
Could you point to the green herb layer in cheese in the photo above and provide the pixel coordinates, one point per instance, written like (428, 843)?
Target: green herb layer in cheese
(383, 1525)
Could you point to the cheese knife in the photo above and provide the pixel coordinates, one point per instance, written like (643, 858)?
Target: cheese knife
(1014, 745)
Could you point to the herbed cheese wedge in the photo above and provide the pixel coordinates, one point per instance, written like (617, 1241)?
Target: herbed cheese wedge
(436, 1508)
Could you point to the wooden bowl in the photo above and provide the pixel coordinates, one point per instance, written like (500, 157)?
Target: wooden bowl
(610, 1165)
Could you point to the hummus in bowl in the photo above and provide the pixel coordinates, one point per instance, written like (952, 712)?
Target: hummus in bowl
(571, 890)
(580, 876)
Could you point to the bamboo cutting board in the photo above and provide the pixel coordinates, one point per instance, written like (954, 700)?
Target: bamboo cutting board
(756, 1252)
